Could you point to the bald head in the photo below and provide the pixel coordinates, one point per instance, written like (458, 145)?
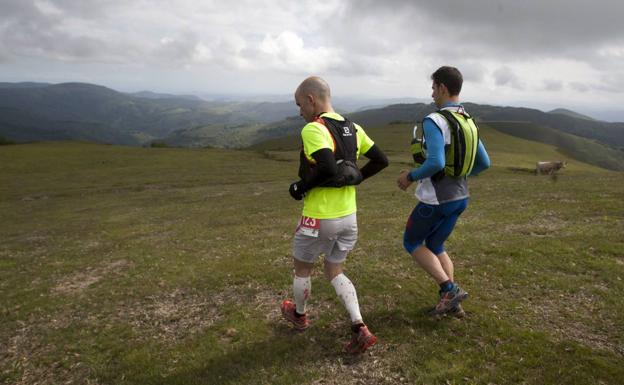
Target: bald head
(316, 87)
(313, 97)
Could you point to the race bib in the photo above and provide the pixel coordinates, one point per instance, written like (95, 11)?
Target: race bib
(309, 226)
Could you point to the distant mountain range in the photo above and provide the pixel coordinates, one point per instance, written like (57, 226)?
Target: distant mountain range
(156, 95)
(610, 134)
(79, 111)
(563, 111)
(35, 111)
(24, 85)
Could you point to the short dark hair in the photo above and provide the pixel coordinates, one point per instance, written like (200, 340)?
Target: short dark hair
(450, 77)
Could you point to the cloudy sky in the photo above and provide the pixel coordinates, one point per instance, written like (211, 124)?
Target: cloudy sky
(536, 53)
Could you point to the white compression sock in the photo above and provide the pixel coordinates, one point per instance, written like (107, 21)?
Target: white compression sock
(302, 288)
(346, 291)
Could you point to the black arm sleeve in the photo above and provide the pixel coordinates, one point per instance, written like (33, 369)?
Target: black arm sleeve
(325, 168)
(378, 161)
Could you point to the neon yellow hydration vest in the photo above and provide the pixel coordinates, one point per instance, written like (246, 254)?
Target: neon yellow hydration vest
(460, 153)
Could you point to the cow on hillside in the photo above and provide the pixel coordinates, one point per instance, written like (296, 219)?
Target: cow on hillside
(549, 168)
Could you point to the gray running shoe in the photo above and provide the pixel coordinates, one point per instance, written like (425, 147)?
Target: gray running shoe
(449, 300)
(457, 312)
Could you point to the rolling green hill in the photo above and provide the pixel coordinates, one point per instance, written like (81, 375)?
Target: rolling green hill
(571, 147)
(563, 111)
(611, 134)
(35, 112)
(39, 111)
(122, 265)
(214, 135)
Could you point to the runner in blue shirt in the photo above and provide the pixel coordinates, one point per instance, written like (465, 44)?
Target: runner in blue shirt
(442, 198)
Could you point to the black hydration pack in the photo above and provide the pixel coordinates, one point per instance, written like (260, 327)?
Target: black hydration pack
(344, 135)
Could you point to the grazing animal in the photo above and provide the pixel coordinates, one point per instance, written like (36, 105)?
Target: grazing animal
(549, 168)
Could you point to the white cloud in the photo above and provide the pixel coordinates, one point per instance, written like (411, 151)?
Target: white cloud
(553, 85)
(579, 87)
(527, 50)
(202, 54)
(505, 76)
(288, 52)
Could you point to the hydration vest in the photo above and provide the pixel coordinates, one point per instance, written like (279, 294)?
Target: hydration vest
(344, 135)
(460, 153)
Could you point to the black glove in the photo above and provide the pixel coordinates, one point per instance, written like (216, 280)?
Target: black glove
(297, 190)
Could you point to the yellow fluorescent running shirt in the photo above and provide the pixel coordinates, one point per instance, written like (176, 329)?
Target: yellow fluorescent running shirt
(329, 202)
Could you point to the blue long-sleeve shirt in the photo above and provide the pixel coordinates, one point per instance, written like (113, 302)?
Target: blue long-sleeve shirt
(436, 159)
(482, 160)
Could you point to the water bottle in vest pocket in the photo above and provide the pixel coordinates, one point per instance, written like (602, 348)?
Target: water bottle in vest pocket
(417, 148)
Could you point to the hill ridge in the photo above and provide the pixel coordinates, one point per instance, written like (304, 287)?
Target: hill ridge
(33, 111)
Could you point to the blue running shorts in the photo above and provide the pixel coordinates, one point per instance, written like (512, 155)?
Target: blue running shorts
(432, 224)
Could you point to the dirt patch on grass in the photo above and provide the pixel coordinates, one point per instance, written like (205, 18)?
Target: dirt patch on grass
(267, 301)
(374, 367)
(183, 312)
(29, 349)
(23, 358)
(172, 316)
(546, 225)
(78, 282)
(577, 317)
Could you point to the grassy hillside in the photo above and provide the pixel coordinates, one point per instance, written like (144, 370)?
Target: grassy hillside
(573, 146)
(563, 111)
(233, 136)
(79, 111)
(214, 135)
(610, 134)
(537, 145)
(166, 266)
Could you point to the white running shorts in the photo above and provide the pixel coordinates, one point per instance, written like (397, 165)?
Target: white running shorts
(333, 237)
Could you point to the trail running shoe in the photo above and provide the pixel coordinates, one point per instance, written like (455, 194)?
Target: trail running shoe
(288, 311)
(361, 341)
(457, 311)
(449, 300)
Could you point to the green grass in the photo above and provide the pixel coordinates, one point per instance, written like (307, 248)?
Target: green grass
(215, 135)
(576, 147)
(166, 266)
